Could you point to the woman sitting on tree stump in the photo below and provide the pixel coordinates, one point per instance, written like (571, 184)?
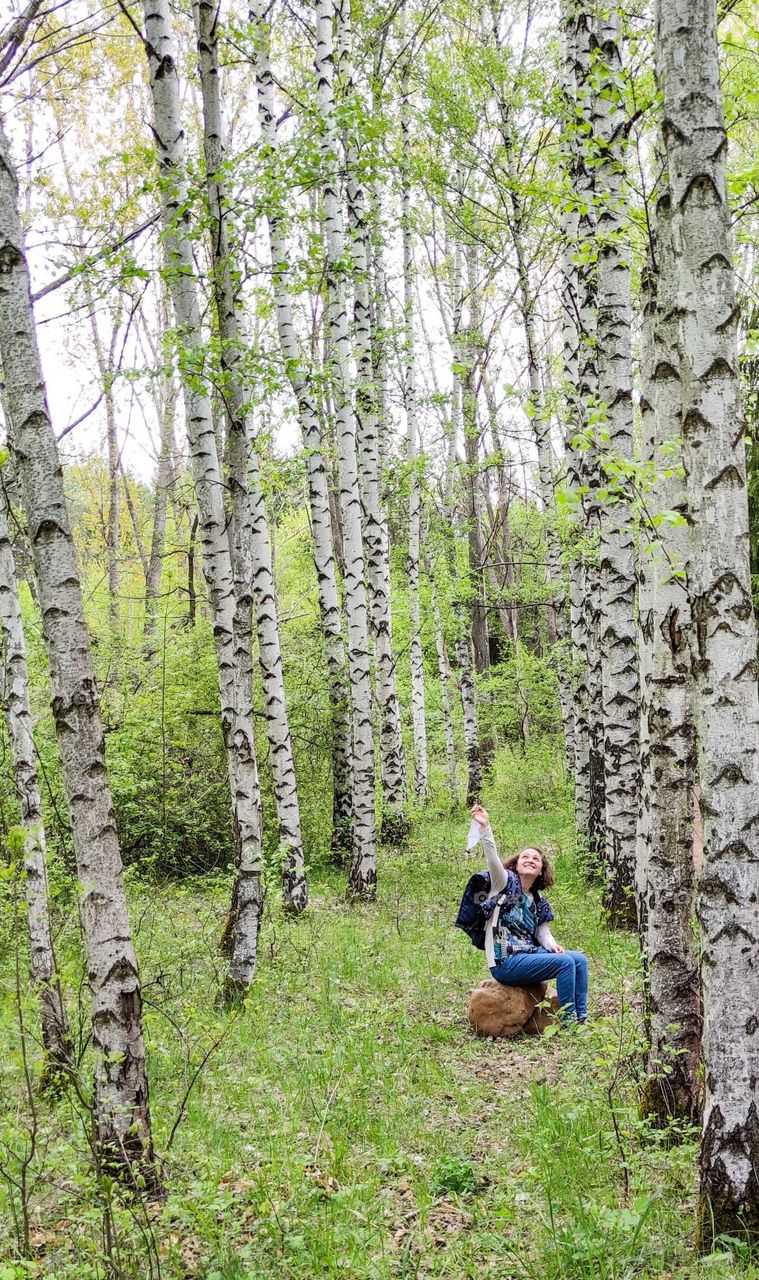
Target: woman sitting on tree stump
(520, 948)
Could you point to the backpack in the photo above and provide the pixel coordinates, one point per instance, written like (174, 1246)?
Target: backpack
(477, 906)
(471, 916)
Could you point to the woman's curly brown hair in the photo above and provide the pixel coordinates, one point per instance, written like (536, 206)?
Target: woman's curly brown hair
(546, 877)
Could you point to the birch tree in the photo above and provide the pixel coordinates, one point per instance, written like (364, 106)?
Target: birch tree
(252, 546)
(363, 870)
(570, 359)
(580, 380)
(418, 704)
(471, 352)
(665, 879)
(462, 648)
(724, 629)
(14, 689)
(617, 541)
(301, 381)
(370, 418)
(230, 624)
(165, 399)
(106, 362)
(444, 675)
(121, 1106)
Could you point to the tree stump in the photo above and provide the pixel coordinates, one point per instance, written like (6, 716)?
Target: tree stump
(501, 1012)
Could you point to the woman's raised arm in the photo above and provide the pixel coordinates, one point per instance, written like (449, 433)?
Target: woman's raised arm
(498, 874)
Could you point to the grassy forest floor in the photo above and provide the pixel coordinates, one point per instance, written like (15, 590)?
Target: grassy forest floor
(347, 1123)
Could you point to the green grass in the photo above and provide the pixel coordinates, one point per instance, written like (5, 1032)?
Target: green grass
(349, 1124)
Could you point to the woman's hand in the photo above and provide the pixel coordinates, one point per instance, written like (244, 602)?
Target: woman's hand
(554, 946)
(480, 816)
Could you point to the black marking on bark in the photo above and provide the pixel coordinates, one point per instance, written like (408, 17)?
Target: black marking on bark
(671, 631)
(647, 626)
(728, 475)
(694, 422)
(716, 259)
(664, 369)
(731, 320)
(732, 773)
(701, 611)
(11, 257)
(712, 884)
(705, 189)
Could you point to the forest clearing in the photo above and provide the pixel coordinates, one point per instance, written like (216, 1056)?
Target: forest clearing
(379, 464)
(350, 1124)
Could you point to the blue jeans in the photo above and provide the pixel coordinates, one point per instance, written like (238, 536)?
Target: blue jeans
(569, 968)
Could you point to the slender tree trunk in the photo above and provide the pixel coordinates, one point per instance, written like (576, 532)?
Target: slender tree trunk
(308, 415)
(164, 482)
(418, 704)
(501, 523)
(135, 522)
(114, 515)
(43, 973)
(106, 363)
(229, 624)
(542, 429)
(474, 752)
(254, 572)
(724, 628)
(668, 738)
(362, 877)
(192, 595)
(471, 345)
(107, 369)
(471, 726)
(122, 1114)
(444, 672)
(392, 760)
(618, 574)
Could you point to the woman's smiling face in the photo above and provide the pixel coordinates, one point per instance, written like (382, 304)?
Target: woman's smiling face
(530, 862)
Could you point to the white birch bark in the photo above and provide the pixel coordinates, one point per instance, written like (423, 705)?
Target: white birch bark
(253, 556)
(379, 323)
(362, 876)
(503, 581)
(587, 388)
(14, 690)
(418, 703)
(122, 1114)
(106, 362)
(617, 542)
(665, 879)
(165, 400)
(470, 348)
(724, 628)
(444, 674)
(471, 725)
(308, 415)
(474, 753)
(392, 759)
(578, 333)
(229, 623)
(164, 482)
